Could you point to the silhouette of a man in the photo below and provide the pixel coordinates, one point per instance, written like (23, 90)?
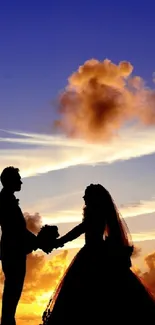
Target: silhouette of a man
(16, 242)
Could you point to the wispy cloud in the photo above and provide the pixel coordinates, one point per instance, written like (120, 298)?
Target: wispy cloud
(136, 237)
(74, 213)
(139, 208)
(44, 153)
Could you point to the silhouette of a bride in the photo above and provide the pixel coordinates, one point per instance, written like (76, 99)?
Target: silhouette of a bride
(99, 285)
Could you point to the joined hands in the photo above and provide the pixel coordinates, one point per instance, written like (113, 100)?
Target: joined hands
(47, 239)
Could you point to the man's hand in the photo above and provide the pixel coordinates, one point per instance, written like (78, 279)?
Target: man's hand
(46, 250)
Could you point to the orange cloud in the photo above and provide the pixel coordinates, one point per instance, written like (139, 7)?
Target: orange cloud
(148, 277)
(136, 252)
(100, 98)
(41, 279)
(29, 319)
(33, 222)
(43, 274)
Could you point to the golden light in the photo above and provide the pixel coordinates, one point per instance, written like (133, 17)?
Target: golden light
(42, 301)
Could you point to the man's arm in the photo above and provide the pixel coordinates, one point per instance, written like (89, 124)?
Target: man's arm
(31, 242)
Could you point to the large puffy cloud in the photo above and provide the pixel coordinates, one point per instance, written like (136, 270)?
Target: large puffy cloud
(100, 98)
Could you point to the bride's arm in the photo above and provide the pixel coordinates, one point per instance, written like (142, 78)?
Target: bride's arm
(71, 235)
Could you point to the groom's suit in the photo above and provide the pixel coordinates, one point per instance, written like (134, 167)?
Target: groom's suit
(16, 242)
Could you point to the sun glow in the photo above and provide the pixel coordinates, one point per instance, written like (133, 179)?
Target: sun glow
(43, 299)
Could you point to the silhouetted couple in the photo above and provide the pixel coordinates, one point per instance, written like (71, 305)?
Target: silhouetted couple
(99, 286)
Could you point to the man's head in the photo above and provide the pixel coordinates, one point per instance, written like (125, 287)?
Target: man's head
(11, 179)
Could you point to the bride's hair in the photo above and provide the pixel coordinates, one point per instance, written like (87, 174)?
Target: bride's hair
(99, 202)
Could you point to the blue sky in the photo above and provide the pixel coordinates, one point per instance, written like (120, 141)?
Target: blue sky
(42, 44)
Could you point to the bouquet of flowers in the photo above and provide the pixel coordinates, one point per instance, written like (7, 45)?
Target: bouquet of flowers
(46, 238)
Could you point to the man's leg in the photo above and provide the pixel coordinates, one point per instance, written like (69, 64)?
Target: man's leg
(14, 272)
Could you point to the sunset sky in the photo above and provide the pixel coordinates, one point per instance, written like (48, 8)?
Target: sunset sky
(42, 44)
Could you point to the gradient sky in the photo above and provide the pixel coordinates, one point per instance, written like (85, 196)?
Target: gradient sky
(42, 44)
